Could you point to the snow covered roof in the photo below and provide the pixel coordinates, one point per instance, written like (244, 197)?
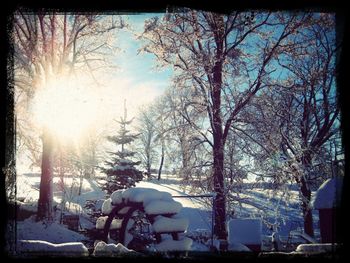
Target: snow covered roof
(328, 194)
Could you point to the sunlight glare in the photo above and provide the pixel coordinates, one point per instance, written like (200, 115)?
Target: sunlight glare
(67, 106)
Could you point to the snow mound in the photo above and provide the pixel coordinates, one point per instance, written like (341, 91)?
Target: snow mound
(42, 247)
(166, 224)
(163, 207)
(53, 232)
(174, 245)
(315, 248)
(328, 194)
(246, 231)
(102, 250)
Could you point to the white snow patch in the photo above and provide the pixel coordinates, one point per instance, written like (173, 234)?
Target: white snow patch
(246, 231)
(145, 195)
(101, 221)
(107, 206)
(174, 245)
(117, 197)
(116, 224)
(138, 194)
(315, 248)
(163, 207)
(62, 249)
(29, 229)
(166, 224)
(328, 194)
(103, 249)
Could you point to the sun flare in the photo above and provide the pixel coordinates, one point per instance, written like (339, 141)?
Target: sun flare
(67, 106)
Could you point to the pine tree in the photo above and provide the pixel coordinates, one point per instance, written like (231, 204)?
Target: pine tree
(121, 171)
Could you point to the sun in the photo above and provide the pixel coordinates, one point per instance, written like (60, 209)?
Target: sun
(66, 105)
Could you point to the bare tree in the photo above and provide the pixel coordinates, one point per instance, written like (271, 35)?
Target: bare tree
(147, 136)
(47, 43)
(162, 128)
(212, 51)
(299, 118)
(312, 111)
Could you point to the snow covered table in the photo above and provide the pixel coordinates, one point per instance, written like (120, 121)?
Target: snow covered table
(143, 216)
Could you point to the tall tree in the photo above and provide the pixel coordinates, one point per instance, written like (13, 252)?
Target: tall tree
(162, 127)
(147, 137)
(122, 172)
(312, 109)
(48, 44)
(213, 52)
(300, 116)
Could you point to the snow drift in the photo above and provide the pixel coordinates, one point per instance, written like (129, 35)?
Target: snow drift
(109, 250)
(39, 247)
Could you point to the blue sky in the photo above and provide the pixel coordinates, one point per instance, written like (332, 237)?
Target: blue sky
(139, 67)
(137, 80)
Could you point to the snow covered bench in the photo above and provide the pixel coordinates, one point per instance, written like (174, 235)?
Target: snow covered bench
(139, 213)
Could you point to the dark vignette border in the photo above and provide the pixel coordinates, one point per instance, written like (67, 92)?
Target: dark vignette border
(7, 130)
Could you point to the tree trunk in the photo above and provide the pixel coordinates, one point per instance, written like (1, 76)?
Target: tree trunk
(185, 160)
(46, 185)
(81, 180)
(148, 163)
(218, 147)
(219, 201)
(307, 211)
(161, 164)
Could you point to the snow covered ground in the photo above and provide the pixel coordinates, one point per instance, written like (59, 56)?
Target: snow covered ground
(257, 202)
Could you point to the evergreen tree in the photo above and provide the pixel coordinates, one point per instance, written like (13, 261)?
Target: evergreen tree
(121, 171)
